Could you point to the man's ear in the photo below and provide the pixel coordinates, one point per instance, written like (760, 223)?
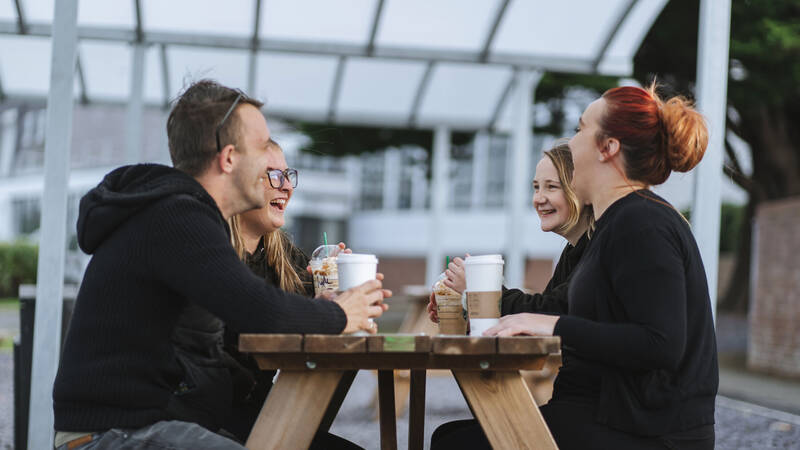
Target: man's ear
(226, 158)
(610, 149)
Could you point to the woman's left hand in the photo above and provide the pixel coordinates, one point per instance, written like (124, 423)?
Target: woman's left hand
(524, 323)
(343, 248)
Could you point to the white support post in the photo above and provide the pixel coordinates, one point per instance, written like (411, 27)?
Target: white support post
(519, 178)
(52, 244)
(8, 141)
(440, 185)
(480, 164)
(353, 171)
(712, 88)
(419, 187)
(133, 137)
(391, 178)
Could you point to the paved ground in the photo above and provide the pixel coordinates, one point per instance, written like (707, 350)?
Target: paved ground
(740, 424)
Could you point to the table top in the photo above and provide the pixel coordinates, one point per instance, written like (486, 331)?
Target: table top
(398, 351)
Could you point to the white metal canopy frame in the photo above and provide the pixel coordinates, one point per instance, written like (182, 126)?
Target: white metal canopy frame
(438, 64)
(384, 62)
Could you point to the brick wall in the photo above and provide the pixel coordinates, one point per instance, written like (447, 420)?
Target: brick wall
(774, 316)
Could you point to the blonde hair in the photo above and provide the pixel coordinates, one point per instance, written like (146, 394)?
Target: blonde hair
(276, 244)
(561, 157)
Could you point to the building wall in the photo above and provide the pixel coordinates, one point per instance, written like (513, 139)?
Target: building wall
(775, 306)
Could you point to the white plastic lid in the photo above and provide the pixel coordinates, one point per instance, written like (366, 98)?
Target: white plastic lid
(356, 258)
(484, 259)
(325, 251)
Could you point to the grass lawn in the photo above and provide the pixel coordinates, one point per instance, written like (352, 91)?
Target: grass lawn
(9, 304)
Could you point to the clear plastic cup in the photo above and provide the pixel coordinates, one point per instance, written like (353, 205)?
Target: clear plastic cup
(324, 269)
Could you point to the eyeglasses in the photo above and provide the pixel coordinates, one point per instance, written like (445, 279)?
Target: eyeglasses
(277, 177)
(224, 118)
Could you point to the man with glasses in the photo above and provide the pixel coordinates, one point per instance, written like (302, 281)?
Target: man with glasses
(160, 244)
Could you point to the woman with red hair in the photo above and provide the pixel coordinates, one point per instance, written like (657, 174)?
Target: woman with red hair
(638, 344)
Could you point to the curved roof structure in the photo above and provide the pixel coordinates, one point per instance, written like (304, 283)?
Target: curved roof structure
(400, 63)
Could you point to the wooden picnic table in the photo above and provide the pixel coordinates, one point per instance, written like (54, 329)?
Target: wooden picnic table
(316, 372)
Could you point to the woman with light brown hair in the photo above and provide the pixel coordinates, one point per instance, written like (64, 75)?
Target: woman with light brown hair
(262, 244)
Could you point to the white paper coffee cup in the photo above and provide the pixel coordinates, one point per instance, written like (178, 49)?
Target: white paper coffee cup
(484, 273)
(356, 269)
(484, 277)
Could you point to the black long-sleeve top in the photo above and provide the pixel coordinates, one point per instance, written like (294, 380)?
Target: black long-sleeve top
(639, 338)
(159, 243)
(554, 297)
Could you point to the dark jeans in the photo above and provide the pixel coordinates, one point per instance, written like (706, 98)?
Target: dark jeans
(573, 427)
(177, 435)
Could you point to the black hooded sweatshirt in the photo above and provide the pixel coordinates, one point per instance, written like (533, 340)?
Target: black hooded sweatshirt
(159, 243)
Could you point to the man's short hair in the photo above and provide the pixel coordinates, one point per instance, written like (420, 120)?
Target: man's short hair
(193, 121)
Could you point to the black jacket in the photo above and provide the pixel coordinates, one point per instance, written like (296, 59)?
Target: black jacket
(159, 243)
(554, 297)
(639, 340)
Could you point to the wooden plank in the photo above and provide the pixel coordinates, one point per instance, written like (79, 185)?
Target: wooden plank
(533, 345)
(294, 409)
(505, 409)
(399, 343)
(271, 343)
(389, 361)
(386, 409)
(464, 345)
(328, 343)
(416, 411)
(336, 401)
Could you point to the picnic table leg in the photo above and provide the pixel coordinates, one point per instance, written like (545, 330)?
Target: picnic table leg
(416, 411)
(294, 409)
(386, 408)
(336, 401)
(505, 409)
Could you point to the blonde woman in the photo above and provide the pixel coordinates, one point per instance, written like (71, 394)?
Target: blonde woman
(560, 212)
(260, 242)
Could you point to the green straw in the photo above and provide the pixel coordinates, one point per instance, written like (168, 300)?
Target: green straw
(325, 240)
(446, 262)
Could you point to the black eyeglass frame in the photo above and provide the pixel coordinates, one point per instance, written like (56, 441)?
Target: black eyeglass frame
(284, 174)
(225, 117)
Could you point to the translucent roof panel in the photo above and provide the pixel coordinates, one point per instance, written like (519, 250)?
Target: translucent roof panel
(102, 13)
(630, 35)
(317, 20)
(106, 13)
(295, 84)
(7, 10)
(107, 70)
(31, 53)
(463, 93)
(190, 64)
(565, 28)
(40, 11)
(229, 18)
(379, 87)
(451, 24)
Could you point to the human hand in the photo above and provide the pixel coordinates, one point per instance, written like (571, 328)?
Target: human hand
(433, 311)
(456, 278)
(343, 248)
(524, 324)
(362, 303)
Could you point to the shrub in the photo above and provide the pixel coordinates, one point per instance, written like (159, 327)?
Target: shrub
(18, 263)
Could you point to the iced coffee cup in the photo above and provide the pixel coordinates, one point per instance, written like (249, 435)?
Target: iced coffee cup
(484, 277)
(324, 269)
(449, 309)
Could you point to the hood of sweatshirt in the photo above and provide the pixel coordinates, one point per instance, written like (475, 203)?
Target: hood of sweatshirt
(125, 192)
